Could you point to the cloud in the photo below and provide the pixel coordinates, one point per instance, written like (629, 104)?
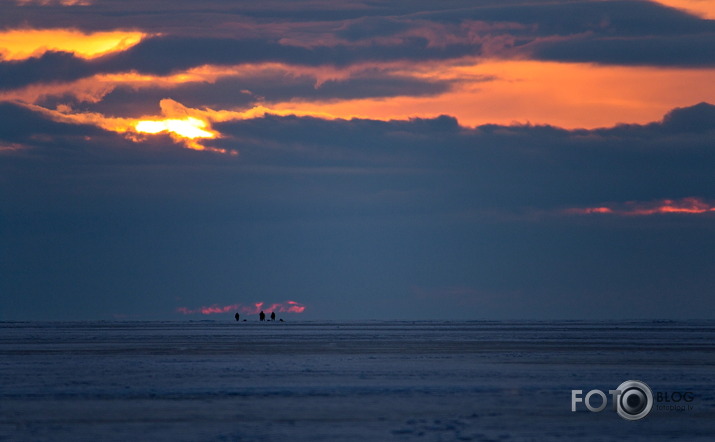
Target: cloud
(55, 2)
(49, 67)
(280, 307)
(697, 118)
(167, 55)
(163, 55)
(491, 167)
(305, 34)
(208, 310)
(371, 27)
(355, 213)
(22, 125)
(561, 94)
(20, 44)
(236, 87)
(185, 125)
(689, 50)
(376, 62)
(684, 206)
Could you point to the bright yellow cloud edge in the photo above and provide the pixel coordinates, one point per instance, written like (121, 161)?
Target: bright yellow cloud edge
(20, 44)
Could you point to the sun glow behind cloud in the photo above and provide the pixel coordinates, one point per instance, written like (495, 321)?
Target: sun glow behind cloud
(185, 125)
(188, 127)
(187, 130)
(19, 44)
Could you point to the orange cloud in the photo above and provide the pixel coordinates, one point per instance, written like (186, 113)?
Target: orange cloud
(701, 8)
(691, 205)
(19, 44)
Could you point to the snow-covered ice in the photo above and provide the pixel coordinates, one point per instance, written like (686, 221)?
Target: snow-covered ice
(351, 381)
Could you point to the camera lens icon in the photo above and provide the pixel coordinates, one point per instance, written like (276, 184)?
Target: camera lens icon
(635, 401)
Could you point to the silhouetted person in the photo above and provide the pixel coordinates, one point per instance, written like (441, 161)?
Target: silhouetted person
(237, 316)
(273, 316)
(262, 316)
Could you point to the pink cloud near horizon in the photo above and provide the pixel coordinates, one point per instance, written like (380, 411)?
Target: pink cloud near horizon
(253, 309)
(690, 205)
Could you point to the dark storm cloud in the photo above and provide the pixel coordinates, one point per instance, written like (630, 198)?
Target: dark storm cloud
(177, 15)
(698, 118)
(628, 33)
(49, 67)
(19, 124)
(624, 18)
(346, 213)
(604, 32)
(364, 209)
(371, 27)
(162, 55)
(498, 166)
(691, 50)
(430, 163)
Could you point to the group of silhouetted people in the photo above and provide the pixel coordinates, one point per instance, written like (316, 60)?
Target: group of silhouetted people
(261, 316)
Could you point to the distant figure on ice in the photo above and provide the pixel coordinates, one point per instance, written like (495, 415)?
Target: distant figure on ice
(237, 316)
(273, 316)
(262, 316)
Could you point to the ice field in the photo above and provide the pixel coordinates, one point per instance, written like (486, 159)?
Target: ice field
(352, 381)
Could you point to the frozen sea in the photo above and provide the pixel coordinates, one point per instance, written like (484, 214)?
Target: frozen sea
(349, 381)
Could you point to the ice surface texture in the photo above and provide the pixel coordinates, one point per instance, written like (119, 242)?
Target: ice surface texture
(356, 381)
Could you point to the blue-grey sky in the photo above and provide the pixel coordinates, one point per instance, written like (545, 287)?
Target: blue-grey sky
(401, 159)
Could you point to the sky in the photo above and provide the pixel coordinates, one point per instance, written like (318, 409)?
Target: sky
(401, 159)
